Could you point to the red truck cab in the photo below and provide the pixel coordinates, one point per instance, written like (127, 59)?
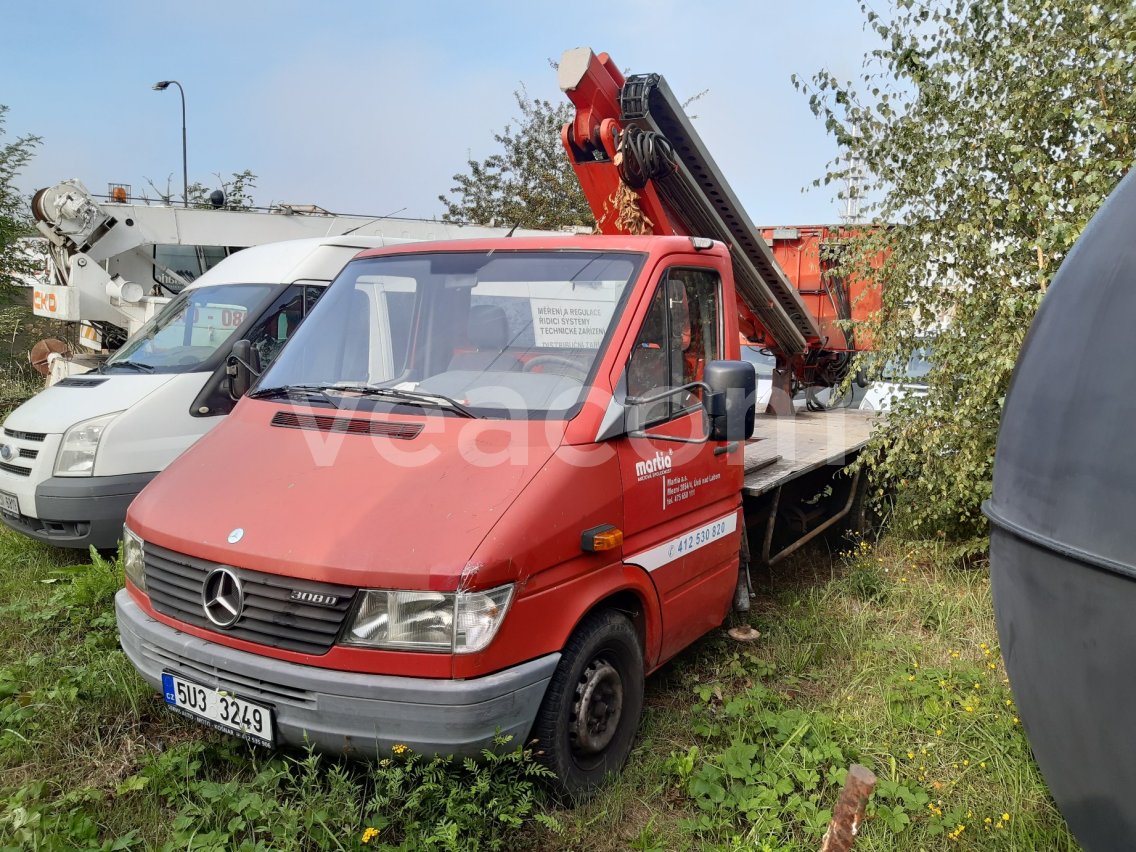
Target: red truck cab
(486, 488)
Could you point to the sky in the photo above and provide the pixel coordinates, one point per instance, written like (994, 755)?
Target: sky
(372, 107)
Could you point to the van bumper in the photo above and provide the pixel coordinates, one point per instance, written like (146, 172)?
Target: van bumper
(80, 511)
(361, 715)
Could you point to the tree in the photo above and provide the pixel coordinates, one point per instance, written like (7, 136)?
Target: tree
(987, 134)
(529, 183)
(16, 261)
(236, 190)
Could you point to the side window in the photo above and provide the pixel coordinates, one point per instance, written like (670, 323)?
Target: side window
(312, 292)
(279, 322)
(680, 335)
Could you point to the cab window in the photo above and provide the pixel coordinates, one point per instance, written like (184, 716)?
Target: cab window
(281, 320)
(680, 335)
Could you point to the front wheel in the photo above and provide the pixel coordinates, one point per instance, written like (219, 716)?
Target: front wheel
(587, 722)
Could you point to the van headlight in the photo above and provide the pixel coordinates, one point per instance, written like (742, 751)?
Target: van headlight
(461, 622)
(80, 443)
(134, 558)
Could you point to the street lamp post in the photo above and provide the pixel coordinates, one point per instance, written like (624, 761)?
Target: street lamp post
(161, 87)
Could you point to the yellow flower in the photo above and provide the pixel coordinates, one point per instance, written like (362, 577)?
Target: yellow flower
(370, 834)
(911, 755)
(938, 732)
(1005, 817)
(399, 748)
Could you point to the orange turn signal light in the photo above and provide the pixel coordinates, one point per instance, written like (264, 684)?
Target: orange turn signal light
(603, 537)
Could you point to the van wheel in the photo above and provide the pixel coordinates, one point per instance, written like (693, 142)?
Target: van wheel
(587, 722)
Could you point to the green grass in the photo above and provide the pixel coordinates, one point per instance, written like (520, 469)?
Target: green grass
(885, 655)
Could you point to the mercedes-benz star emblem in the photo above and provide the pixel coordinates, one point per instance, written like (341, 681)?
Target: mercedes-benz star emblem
(236, 535)
(222, 597)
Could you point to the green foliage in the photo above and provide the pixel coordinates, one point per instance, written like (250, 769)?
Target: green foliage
(237, 188)
(238, 191)
(529, 183)
(987, 134)
(767, 771)
(436, 803)
(15, 261)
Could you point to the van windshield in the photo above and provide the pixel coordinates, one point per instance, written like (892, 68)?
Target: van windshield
(498, 334)
(188, 331)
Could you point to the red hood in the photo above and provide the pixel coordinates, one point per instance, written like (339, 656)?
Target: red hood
(360, 510)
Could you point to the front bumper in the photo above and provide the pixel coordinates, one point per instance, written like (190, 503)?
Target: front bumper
(80, 511)
(362, 715)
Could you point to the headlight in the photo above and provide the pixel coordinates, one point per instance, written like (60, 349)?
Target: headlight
(80, 443)
(134, 558)
(462, 622)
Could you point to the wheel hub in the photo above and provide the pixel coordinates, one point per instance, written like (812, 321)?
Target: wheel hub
(598, 707)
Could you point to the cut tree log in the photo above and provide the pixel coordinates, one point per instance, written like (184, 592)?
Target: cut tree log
(849, 813)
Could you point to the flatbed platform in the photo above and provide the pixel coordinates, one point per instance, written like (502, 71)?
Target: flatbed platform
(783, 448)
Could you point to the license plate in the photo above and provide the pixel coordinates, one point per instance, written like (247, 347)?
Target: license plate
(9, 503)
(218, 709)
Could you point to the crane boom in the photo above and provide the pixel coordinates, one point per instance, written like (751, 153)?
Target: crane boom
(632, 145)
(699, 196)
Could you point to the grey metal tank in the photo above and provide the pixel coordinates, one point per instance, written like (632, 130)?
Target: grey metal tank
(1063, 534)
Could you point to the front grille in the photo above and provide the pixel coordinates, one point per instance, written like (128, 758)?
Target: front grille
(174, 581)
(16, 469)
(39, 437)
(29, 454)
(347, 425)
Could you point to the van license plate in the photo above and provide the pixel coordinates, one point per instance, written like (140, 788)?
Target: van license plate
(218, 709)
(9, 503)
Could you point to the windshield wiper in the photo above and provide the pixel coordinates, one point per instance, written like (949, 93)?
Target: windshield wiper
(414, 397)
(310, 391)
(133, 365)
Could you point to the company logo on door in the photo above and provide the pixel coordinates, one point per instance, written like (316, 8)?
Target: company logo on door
(649, 469)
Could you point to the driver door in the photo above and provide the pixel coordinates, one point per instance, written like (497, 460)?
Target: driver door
(681, 499)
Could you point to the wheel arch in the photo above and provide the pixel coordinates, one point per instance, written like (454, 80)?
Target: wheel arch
(636, 598)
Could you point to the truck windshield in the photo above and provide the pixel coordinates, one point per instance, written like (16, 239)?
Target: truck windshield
(190, 329)
(497, 334)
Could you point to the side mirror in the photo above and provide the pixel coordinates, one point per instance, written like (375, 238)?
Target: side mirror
(242, 368)
(730, 402)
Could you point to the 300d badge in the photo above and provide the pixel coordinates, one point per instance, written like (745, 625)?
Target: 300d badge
(314, 598)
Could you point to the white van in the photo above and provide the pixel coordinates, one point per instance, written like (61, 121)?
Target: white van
(74, 456)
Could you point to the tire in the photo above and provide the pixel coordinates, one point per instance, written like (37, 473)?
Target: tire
(601, 665)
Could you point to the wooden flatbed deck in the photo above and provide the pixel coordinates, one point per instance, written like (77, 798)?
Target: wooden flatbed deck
(783, 448)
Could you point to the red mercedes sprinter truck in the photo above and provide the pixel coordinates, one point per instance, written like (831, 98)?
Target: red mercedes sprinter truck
(490, 486)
